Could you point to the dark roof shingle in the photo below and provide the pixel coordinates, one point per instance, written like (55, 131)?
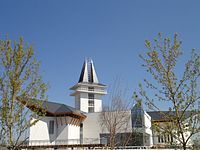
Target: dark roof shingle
(164, 115)
(57, 107)
(51, 108)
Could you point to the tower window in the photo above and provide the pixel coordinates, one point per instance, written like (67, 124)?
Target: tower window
(90, 96)
(91, 102)
(90, 88)
(90, 109)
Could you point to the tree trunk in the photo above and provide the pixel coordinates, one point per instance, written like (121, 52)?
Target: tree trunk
(112, 142)
(184, 146)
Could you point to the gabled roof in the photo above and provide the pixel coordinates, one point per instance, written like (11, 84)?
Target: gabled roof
(164, 115)
(52, 108)
(57, 107)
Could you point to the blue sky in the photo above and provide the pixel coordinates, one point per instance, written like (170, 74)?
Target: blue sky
(111, 32)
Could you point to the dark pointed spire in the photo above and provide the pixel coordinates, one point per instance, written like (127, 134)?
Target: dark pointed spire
(88, 73)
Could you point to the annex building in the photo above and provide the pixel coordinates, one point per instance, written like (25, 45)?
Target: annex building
(81, 125)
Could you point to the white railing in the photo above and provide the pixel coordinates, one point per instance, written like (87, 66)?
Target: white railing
(91, 90)
(64, 142)
(85, 142)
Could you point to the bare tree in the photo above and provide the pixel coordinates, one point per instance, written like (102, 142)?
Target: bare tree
(180, 93)
(115, 118)
(19, 81)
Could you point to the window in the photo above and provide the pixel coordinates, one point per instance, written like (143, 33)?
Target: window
(162, 139)
(81, 133)
(91, 103)
(90, 96)
(90, 88)
(51, 127)
(137, 118)
(172, 139)
(159, 140)
(91, 109)
(165, 138)
(135, 139)
(168, 138)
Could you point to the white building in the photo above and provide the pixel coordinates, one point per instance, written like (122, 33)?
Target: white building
(65, 125)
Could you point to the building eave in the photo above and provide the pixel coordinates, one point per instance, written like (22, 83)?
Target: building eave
(88, 84)
(38, 109)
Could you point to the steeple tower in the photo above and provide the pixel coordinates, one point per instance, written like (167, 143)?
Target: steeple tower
(88, 91)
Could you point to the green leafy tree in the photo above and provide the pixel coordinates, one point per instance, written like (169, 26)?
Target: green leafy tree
(20, 81)
(180, 93)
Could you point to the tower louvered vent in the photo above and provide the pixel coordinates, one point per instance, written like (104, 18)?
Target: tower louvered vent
(90, 73)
